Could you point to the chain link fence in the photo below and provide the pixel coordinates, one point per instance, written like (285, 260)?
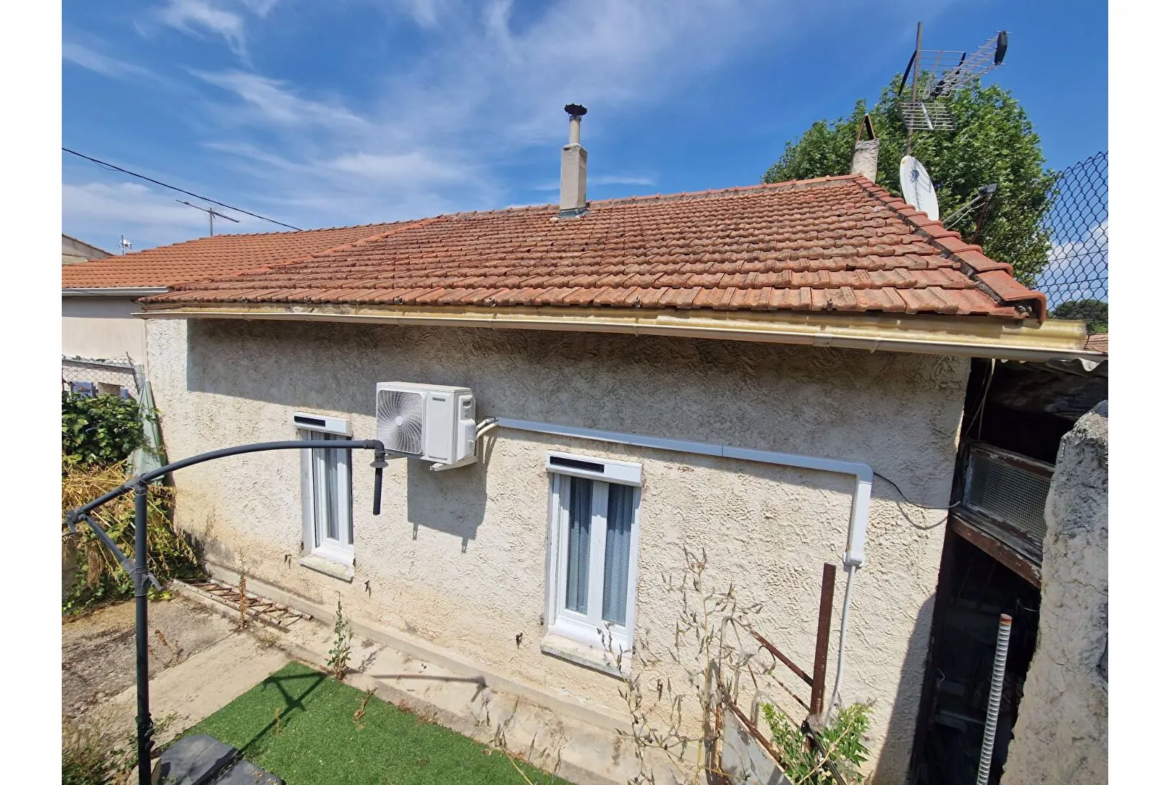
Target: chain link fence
(1076, 279)
(94, 377)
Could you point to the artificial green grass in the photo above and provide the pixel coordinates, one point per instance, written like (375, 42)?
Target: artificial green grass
(317, 741)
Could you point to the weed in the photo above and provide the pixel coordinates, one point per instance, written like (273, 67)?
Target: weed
(338, 662)
(361, 709)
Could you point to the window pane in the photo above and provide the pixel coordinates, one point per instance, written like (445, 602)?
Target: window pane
(332, 503)
(577, 568)
(315, 463)
(617, 553)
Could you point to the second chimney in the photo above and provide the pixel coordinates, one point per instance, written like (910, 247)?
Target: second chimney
(574, 160)
(865, 152)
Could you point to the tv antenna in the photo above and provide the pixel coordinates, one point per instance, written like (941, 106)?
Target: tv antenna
(938, 73)
(981, 202)
(125, 244)
(212, 214)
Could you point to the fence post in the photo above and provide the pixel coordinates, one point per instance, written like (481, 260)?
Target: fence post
(816, 704)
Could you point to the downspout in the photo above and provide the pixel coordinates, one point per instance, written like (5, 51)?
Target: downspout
(854, 556)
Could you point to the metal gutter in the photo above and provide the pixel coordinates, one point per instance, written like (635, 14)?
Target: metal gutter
(959, 336)
(115, 291)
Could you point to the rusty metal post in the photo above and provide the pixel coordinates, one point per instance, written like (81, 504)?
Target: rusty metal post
(820, 664)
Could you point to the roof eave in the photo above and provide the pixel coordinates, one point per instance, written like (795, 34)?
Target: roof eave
(961, 336)
(112, 291)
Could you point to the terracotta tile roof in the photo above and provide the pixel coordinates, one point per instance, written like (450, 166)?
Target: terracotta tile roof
(208, 257)
(1098, 343)
(836, 243)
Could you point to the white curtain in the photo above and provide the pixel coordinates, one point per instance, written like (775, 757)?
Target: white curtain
(580, 515)
(617, 553)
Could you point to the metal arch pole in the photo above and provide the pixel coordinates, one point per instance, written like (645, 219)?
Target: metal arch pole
(142, 650)
(141, 573)
(914, 88)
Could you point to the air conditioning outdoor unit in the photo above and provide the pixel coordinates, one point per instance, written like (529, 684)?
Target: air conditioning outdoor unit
(431, 422)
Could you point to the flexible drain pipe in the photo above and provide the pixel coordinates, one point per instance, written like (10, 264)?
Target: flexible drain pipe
(854, 555)
(997, 674)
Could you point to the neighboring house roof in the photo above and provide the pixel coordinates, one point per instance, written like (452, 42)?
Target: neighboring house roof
(830, 244)
(1098, 343)
(74, 251)
(221, 255)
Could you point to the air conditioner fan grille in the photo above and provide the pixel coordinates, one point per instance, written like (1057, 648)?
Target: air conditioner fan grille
(400, 421)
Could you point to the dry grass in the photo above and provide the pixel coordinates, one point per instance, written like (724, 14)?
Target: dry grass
(101, 578)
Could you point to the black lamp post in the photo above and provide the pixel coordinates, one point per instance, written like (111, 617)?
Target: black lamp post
(142, 576)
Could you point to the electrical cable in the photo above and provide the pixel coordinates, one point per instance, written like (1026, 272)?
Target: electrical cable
(173, 188)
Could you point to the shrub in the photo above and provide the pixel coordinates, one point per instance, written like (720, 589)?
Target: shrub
(100, 576)
(102, 429)
(842, 744)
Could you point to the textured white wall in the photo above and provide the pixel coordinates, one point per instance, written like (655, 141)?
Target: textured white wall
(102, 328)
(1062, 733)
(458, 558)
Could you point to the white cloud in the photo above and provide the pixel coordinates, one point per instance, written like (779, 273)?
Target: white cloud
(437, 131)
(1078, 268)
(106, 66)
(223, 18)
(486, 93)
(600, 179)
(271, 102)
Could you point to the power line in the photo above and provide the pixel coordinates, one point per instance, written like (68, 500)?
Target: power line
(173, 188)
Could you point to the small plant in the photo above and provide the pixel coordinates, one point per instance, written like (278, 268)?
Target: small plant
(361, 709)
(338, 661)
(242, 622)
(840, 746)
(89, 757)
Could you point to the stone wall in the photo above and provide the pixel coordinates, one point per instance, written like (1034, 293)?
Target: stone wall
(1062, 733)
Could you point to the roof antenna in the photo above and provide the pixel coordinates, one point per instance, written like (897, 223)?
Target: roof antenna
(125, 244)
(939, 73)
(211, 216)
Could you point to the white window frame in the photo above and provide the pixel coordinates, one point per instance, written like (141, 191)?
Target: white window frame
(578, 627)
(316, 541)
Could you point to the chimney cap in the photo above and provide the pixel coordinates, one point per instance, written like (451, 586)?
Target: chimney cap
(575, 110)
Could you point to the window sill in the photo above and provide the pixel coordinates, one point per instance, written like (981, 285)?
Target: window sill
(584, 655)
(328, 567)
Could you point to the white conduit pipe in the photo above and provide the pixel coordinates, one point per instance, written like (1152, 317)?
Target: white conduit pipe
(854, 555)
(849, 568)
(997, 674)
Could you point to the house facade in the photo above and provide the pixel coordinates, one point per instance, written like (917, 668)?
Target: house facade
(760, 376)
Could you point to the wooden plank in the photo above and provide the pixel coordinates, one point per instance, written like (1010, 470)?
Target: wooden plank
(1004, 554)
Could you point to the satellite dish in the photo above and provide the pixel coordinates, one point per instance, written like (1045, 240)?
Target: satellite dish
(917, 188)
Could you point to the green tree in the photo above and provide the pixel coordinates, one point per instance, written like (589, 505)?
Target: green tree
(994, 142)
(1094, 313)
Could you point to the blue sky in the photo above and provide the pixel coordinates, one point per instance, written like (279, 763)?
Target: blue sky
(354, 111)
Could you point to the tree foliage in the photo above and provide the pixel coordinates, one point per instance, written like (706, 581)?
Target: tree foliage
(994, 143)
(99, 430)
(1094, 313)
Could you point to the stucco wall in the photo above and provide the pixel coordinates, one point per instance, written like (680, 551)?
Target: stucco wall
(102, 328)
(458, 558)
(1062, 732)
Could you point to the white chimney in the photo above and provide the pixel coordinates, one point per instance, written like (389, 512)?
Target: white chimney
(574, 160)
(865, 152)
